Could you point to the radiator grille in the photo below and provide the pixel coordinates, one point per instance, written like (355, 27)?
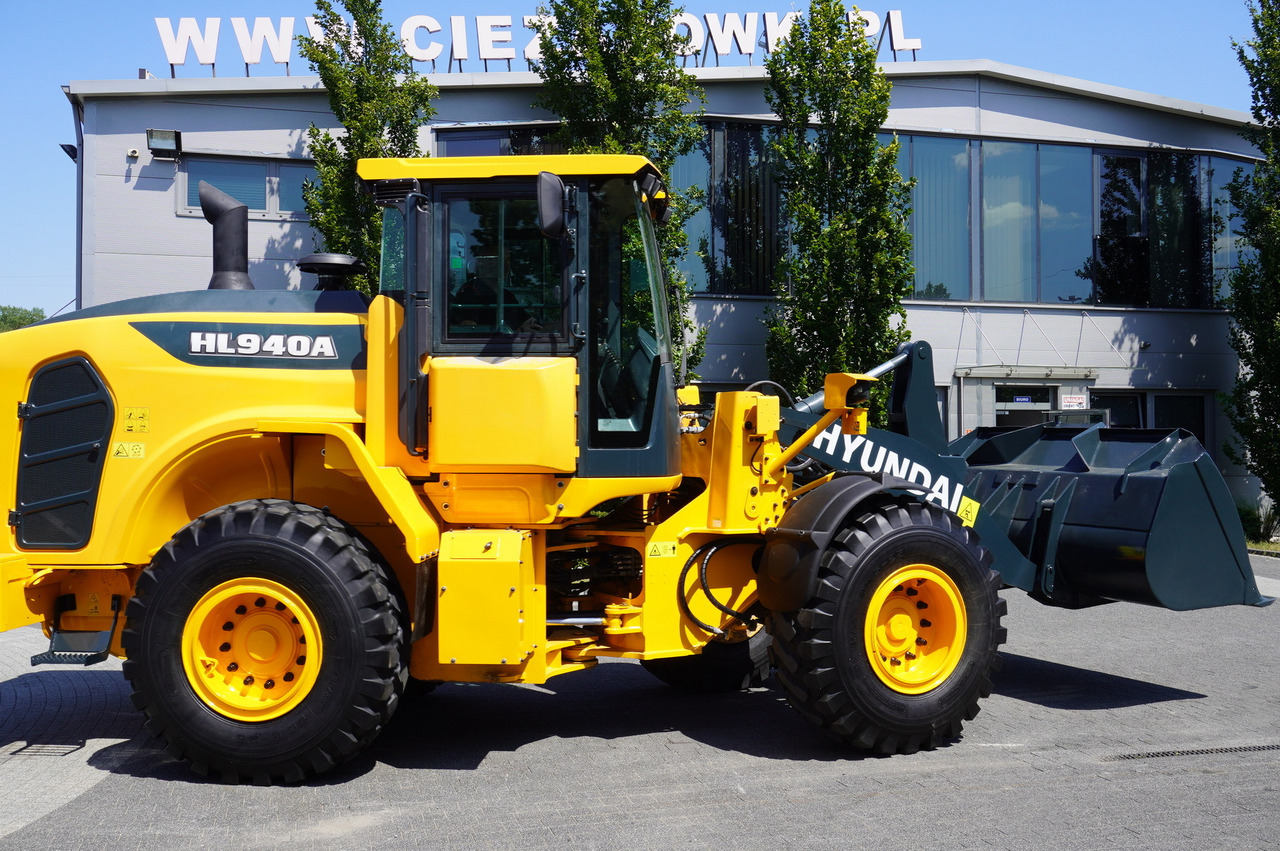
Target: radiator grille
(66, 433)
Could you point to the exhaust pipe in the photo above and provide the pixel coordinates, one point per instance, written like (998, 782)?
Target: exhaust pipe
(230, 220)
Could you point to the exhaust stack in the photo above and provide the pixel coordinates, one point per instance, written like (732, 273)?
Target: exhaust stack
(230, 220)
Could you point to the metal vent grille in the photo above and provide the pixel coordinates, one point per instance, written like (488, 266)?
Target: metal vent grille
(66, 433)
(388, 193)
(1190, 752)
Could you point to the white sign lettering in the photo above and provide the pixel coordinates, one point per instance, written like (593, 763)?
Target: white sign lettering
(859, 453)
(409, 35)
(714, 34)
(278, 40)
(258, 345)
(189, 36)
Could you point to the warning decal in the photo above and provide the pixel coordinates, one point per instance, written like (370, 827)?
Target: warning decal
(136, 420)
(657, 550)
(129, 450)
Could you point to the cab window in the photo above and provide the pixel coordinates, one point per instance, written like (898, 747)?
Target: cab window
(502, 277)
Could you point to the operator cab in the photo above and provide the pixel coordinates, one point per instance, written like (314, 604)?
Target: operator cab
(523, 265)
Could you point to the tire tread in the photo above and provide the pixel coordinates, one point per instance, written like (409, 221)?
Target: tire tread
(382, 615)
(804, 648)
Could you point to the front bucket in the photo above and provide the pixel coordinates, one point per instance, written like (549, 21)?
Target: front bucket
(1113, 514)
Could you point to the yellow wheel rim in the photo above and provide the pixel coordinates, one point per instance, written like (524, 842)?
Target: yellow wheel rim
(915, 630)
(251, 649)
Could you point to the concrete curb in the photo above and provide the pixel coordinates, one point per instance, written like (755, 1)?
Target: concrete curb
(1269, 553)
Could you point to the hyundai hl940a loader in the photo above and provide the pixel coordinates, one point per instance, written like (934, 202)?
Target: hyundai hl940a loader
(279, 506)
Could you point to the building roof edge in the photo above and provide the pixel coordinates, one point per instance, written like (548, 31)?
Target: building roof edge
(81, 89)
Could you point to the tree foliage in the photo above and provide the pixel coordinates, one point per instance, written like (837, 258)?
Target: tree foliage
(380, 101)
(849, 267)
(609, 72)
(1253, 406)
(19, 317)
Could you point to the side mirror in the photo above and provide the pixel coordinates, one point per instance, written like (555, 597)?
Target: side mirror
(654, 195)
(550, 205)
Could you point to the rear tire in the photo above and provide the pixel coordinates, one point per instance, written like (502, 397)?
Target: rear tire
(898, 644)
(722, 666)
(265, 643)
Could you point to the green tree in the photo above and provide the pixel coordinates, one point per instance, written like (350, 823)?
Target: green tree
(380, 101)
(609, 72)
(839, 307)
(19, 317)
(1253, 406)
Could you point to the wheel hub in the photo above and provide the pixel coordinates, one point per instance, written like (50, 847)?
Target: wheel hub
(251, 649)
(915, 629)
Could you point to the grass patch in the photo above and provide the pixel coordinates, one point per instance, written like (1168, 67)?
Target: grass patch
(1264, 545)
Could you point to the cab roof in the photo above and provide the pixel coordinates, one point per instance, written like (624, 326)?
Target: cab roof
(473, 168)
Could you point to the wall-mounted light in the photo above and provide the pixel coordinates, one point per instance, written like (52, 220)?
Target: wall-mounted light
(164, 144)
(70, 150)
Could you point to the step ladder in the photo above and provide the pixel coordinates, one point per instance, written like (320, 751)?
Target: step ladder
(77, 647)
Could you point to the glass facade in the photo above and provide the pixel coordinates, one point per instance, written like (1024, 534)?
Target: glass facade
(940, 212)
(991, 221)
(1065, 210)
(736, 238)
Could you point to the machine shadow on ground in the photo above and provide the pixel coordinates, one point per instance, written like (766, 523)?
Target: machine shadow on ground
(457, 726)
(1057, 686)
(65, 708)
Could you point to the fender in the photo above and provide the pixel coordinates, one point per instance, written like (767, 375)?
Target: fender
(788, 572)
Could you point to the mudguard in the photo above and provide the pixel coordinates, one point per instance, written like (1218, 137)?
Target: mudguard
(794, 548)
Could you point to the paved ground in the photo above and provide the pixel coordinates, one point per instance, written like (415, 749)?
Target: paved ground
(1116, 727)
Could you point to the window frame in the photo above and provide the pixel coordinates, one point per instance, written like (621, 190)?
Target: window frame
(272, 213)
(556, 342)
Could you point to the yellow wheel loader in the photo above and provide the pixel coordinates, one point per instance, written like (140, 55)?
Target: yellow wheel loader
(278, 507)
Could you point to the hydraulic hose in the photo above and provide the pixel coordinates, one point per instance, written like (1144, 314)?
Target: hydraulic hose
(705, 552)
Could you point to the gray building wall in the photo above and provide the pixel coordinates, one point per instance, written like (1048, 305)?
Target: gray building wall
(136, 239)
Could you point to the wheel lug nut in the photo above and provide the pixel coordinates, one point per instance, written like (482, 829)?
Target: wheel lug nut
(228, 626)
(910, 655)
(920, 642)
(925, 623)
(295, 620)
(233, 667)
(921, 604)
(911, 592)
(279, 607)
(260, 602)
(224, 647)
(302, 660)
(240, 610)
(288, 677)
(248, 680)
(269, 684)
(895, 661)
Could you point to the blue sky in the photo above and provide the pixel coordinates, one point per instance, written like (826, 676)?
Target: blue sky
(1174, 48)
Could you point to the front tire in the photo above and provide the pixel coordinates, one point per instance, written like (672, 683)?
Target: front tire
(265, 643)
(898, 644)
